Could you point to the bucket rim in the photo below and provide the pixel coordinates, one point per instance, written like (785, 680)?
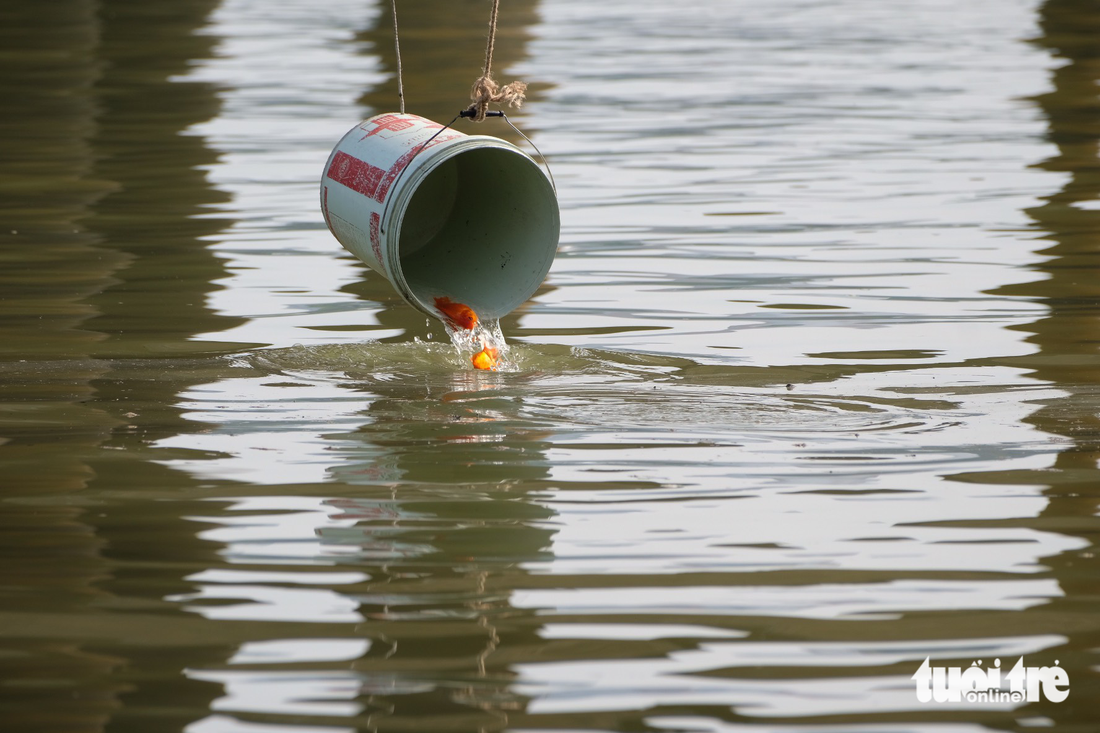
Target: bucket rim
(436, 156)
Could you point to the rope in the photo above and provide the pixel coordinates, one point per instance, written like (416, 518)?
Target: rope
(397, 48)
(485, 90)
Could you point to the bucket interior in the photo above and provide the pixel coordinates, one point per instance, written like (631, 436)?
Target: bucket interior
(481, 229)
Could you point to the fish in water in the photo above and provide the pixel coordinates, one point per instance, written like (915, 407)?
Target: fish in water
(458, 315)
(487, 358)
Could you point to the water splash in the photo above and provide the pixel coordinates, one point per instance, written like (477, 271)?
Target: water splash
(482, 346)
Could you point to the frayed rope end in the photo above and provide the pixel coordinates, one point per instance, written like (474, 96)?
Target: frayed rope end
(486, 91)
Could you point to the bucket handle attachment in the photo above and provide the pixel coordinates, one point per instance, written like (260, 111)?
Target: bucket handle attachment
(463, 113)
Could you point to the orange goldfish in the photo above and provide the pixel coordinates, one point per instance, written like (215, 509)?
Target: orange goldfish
(458, 315)
(487, 359)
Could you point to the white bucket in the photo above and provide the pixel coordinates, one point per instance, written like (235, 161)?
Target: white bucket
(469, 218)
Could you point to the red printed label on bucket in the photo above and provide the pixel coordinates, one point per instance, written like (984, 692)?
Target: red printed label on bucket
(391, 123)
(376, 236)
(358, 175)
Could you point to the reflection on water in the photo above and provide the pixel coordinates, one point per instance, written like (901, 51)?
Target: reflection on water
(808, 397)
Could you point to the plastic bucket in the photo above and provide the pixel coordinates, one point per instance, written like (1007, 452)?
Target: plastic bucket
(470, 218)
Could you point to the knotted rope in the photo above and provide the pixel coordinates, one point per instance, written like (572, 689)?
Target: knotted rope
(485, 89)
